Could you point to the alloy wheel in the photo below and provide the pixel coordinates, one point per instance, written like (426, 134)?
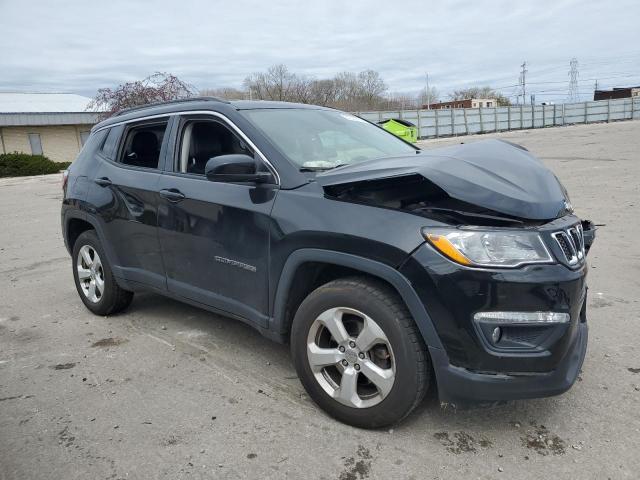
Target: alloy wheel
(351, 357)
(90, 273)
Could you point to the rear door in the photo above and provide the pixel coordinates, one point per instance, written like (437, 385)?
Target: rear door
(126, 198)
(214, 236)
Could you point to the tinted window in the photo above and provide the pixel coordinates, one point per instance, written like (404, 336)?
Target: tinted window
(94, 141)
(142, 145)
(205, 139)
(84, 136)
(91, 146)
(111, 142)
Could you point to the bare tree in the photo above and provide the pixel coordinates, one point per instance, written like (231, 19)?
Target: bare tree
(403, 101)
(347, 90)
(480, 92)
(159, 87)
(371, 87)
(277, 83)
(425, 97)
(323, 92)
(227, 93)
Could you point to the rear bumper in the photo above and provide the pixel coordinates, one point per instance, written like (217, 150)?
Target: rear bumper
(462, 388)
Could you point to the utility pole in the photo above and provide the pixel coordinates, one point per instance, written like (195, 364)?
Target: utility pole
(428, 92)
(573, 80)
(523, 82)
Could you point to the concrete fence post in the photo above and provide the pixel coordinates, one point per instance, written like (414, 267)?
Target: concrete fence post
(495, 116)
(481, 121)
(509, 117)
(586, 112)
(554, 115)
(608, 110)
(419, 125)
(453, 122)
(466, 124)
(435, 116)
(633, 102)
(533, 116)
(521, 117)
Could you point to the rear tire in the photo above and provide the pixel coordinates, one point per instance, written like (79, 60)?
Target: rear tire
(358, 352)
(94, 279)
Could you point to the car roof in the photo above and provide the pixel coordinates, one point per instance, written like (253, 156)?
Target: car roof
(200, 103)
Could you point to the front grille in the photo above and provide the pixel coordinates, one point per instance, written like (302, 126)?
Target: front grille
(571, 241)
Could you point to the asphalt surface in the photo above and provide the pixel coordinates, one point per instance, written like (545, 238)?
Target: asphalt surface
(169, 391)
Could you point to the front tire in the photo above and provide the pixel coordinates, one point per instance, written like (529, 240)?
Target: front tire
(94, 279)
(359, 354)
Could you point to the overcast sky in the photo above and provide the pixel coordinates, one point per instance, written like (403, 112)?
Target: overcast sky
(80, 46)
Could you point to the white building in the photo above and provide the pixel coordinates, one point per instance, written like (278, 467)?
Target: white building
(51, 124)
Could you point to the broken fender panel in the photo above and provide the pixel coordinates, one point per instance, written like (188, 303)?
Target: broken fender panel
(482, 178)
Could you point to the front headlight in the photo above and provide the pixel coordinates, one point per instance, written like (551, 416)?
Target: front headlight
(489, 248)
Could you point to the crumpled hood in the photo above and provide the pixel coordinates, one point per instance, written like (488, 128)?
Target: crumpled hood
(491, 174)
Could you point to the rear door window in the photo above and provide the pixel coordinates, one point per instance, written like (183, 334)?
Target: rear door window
(141, 147)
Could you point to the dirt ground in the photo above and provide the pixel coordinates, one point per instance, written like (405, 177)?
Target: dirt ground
(167, 391)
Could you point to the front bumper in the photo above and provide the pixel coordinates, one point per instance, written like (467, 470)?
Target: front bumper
(526, 361)
(461, 388)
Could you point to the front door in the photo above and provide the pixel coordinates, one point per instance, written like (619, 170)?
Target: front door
(214, 236)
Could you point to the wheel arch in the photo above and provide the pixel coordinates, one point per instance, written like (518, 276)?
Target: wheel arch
(77, 222)
(74, 228)
(303, 262)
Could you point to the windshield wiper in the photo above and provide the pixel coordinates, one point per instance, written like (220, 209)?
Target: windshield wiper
(322, 169)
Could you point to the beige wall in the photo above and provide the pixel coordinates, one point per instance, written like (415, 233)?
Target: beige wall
(60, 143)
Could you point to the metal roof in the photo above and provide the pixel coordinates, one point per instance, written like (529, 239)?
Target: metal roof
(14, 102)
(31, 109)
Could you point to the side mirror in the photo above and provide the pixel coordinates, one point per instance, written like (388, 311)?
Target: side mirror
(235, 168)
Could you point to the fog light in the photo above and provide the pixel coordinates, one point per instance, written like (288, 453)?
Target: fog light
(522, 318)
(496, 334)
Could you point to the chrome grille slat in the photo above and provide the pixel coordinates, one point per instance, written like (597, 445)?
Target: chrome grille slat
(571, 242)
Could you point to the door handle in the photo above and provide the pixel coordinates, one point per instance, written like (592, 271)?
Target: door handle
(172, 194)
(102, 181)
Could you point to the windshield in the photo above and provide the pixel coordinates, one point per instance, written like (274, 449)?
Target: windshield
(324, 139)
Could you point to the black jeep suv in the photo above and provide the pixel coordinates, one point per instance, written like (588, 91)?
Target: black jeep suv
(388, 269)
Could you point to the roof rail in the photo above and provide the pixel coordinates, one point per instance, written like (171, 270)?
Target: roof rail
(169, 102)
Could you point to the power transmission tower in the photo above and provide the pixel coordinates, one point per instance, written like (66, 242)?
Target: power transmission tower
(573, 80)
(523, 82)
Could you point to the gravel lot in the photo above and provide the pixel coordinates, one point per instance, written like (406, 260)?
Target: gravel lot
(168, 391)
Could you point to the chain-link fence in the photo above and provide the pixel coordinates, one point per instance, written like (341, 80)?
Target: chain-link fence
(464, 121)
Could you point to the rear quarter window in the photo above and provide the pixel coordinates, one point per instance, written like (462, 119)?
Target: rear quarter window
(110, 143)
(89, 148)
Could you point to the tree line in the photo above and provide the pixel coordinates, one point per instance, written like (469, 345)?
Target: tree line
(347, 90)
(350, 91)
